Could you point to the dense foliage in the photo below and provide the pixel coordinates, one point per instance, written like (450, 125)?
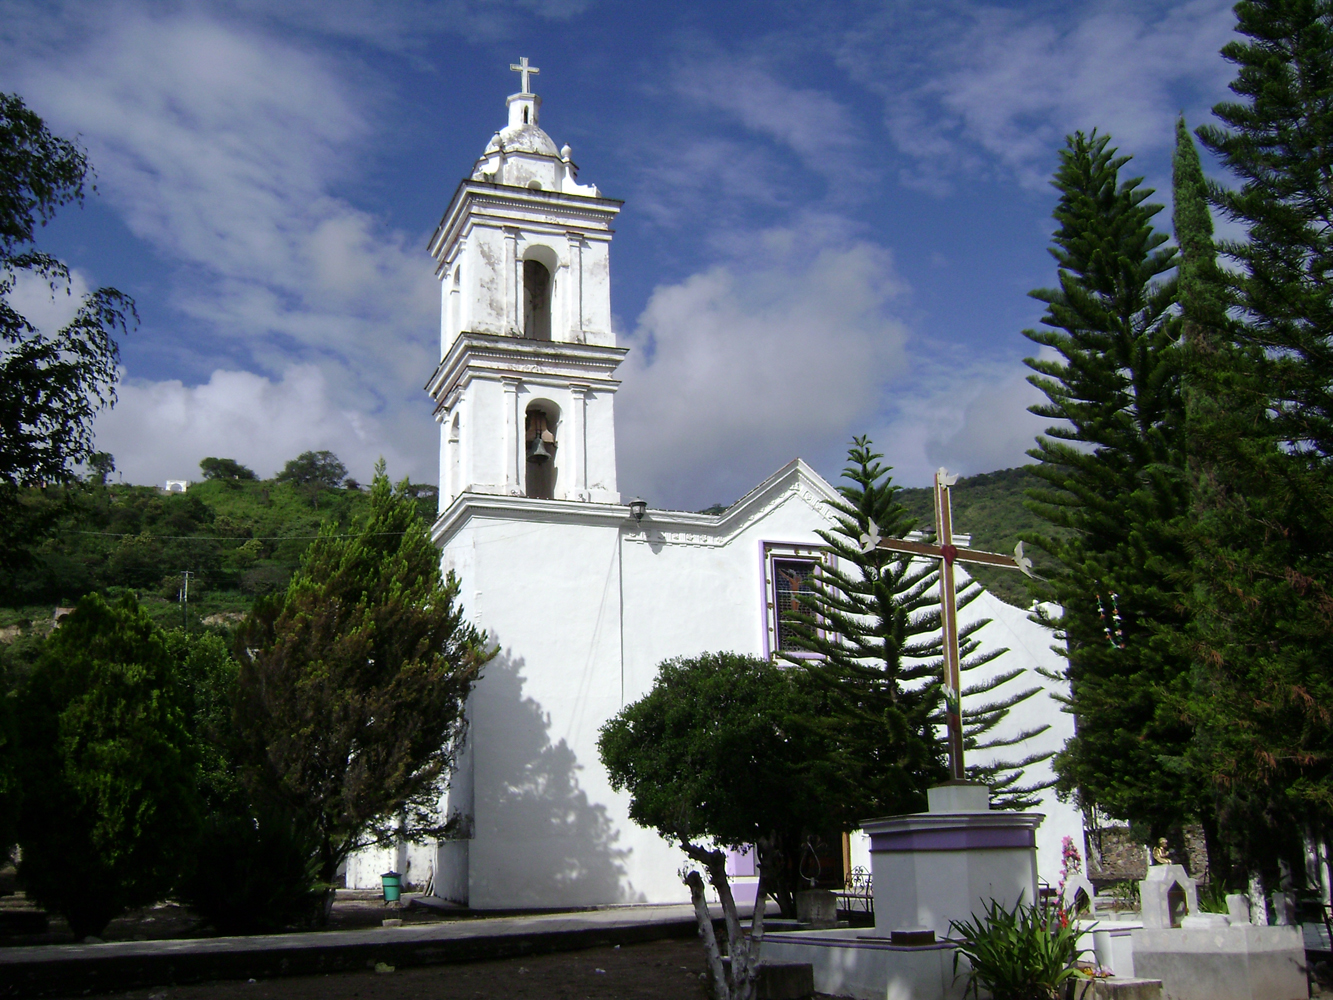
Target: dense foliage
(51, 382)
(1025, 952)
(719, 750)
(239, 538)
(1111, 469)
(105, 762)
(872, 619)
(353, 682)
(1261, 433)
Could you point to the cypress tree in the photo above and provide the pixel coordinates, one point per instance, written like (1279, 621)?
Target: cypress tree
(1263, 547)
(1114, 486)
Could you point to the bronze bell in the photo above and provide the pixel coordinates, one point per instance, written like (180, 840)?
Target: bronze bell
(537, 449)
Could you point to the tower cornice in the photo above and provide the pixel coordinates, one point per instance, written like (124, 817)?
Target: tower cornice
(494, 356)
(472, 197)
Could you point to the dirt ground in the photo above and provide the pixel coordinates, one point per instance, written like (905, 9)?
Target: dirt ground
(659, 970)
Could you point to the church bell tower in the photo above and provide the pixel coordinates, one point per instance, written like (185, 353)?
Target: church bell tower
(525, 387)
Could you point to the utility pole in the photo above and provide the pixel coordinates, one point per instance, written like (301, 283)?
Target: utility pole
(185, 599)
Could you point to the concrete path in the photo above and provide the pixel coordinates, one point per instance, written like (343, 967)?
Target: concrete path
(72, 969)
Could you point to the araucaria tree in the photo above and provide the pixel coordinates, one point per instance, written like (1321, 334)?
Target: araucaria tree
(1112, 465)
(872, 619)
(719, 754)
(1262, 441)
(353, 683)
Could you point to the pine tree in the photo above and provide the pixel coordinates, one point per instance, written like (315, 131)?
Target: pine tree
(1114, 482)
(352, 684)
(1262, 440)
(872, 618)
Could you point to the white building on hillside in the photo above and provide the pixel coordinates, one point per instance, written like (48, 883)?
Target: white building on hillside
(583, 599)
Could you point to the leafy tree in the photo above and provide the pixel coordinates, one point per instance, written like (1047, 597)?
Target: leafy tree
(51, 384)
(1114, 487)
(1263, 548)
(314, 468)
(229, 468)
(255, 865)
(717, 754)
(353, 683)
(105, 752)
(873, 619)
(100, 466)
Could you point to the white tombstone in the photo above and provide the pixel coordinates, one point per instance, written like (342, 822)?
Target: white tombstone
(948, 863)
(1168, 896)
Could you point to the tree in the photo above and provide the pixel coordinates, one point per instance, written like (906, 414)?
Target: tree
(254, 866)
(228, 468)
(51, 384)
(314, 469)
(717, 755)
(873, 620)
(105, 766)
(1263, 506)
(1112, 468)
(353, 683)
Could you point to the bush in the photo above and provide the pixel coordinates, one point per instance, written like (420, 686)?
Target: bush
(106, 766)
(1023, 953)
(255, 875)
(254, 870)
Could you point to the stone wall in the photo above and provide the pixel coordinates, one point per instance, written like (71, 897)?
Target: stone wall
(1123, 858)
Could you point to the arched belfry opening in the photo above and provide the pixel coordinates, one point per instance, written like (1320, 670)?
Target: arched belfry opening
(536, 300)
(540, 444)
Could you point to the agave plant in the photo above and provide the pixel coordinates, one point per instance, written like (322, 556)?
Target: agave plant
(1026, 952)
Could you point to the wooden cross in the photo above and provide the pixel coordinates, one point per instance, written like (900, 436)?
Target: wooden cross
(947, 553)
(522, 67)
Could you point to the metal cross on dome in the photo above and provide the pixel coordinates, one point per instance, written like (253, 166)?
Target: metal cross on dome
(522, 67)
(947, 553)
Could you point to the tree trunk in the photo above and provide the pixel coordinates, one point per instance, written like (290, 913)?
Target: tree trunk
(696, 883)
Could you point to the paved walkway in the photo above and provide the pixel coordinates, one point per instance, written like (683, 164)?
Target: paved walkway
(52, 970)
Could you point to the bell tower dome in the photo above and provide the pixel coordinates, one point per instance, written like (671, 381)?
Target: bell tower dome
(525, 387)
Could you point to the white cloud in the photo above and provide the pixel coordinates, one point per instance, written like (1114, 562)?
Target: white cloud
(969, 418)
(223, 148)
(1007, 85)
(160, 430)
(810, 122)
(47, 309)
(220, 147)
(738, 369)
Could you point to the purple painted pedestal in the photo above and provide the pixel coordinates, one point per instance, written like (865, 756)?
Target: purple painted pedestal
(948, 863)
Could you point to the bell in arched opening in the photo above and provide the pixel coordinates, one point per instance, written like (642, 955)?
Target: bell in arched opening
(539, 435)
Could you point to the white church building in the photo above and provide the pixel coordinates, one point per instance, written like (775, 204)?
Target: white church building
(584, 598)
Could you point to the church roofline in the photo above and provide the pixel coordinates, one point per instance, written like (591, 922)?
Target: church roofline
(666, 526)
(467, 188)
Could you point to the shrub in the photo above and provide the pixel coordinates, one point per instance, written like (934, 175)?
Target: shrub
(1023, 953)
(255, 875)
(104, 750)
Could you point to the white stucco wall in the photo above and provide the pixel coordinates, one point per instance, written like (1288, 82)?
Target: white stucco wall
(584, 604)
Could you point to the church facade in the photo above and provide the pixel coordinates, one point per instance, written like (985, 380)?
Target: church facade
(584, 594)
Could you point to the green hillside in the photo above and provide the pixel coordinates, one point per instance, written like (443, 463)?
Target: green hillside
(238, 540)
(990, 508)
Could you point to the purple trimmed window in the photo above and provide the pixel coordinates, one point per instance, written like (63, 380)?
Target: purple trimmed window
(791, 578)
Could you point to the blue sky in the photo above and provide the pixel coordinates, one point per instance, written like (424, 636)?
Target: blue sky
(833, 210)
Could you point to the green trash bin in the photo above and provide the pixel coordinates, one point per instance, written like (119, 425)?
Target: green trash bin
(393, 886)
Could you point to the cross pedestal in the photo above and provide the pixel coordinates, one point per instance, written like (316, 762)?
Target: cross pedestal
(947, 863)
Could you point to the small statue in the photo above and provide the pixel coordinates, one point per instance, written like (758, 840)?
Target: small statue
(1161, 855)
